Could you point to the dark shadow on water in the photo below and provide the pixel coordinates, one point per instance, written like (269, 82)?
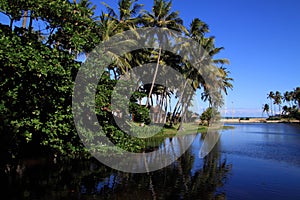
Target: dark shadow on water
(89, 179)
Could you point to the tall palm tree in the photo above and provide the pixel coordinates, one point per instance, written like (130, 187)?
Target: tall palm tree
(128, 10)
(196, 31)
(219, 79)
(161, 17)
(278, 100)
(109, 28)
(287, 97)
(271, 96)
(296, 97)
(125, 18)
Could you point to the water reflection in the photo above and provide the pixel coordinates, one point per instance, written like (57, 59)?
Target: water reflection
(187, 178)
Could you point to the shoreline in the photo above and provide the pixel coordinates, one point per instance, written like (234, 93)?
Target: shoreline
(259, 120)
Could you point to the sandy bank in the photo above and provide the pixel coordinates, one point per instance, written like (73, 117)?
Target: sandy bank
(258, 120)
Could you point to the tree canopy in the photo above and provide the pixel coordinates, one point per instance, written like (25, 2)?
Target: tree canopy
(40, 47)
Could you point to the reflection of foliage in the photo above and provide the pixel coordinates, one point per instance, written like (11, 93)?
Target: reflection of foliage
(88, 179)
(41, 179)
(177, 181)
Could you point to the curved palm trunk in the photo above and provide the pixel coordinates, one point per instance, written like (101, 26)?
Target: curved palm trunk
(184, 110)
(178, 102)
(154, 77)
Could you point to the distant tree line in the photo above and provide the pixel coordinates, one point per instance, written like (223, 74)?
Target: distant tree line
(288, 104)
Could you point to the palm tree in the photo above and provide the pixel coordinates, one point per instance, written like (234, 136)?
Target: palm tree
(278, 100)
(109, 28)
(226, 80)
(219, 79)
(117, 22)
(128, 10)
(196, 31)
(161, 17)
(271, 96)
(222, 83)
(287, 97)
(266, 109)
(296, 97)
(286, 110)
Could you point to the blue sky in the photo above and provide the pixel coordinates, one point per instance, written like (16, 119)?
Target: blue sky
(261, 40)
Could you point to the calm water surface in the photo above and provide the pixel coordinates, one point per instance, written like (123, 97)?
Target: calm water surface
(265, 160)
(252, 161)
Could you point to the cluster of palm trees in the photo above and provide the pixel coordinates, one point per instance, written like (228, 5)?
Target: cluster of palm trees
(131, 16)
(291, 108)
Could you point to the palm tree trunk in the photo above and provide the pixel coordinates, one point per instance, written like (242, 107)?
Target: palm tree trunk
(184, 110)
(161, 106)
(166, 108)
(279, 107)
(30, 22)
(25, 19)
(272, 113)
(179, 101)
(154, 77)
(11, 23)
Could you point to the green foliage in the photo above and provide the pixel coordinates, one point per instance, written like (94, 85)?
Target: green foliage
(140, 113)
(38, 67)
(209, 115)
(123, 140)
(37, 75)
(291, 110)
(106, 120)
(145, 131)
(36, 88)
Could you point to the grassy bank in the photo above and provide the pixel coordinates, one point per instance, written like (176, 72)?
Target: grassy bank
(190, 128)
(169, 132)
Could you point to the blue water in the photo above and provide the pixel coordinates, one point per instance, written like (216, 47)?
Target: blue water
(251, 161)
(265, 160)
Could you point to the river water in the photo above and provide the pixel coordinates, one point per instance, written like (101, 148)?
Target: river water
(251, 161)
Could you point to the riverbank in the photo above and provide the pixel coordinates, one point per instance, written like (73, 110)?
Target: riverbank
(190, 128)
(258, 120)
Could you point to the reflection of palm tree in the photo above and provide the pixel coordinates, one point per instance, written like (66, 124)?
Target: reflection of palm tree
(173, 182)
